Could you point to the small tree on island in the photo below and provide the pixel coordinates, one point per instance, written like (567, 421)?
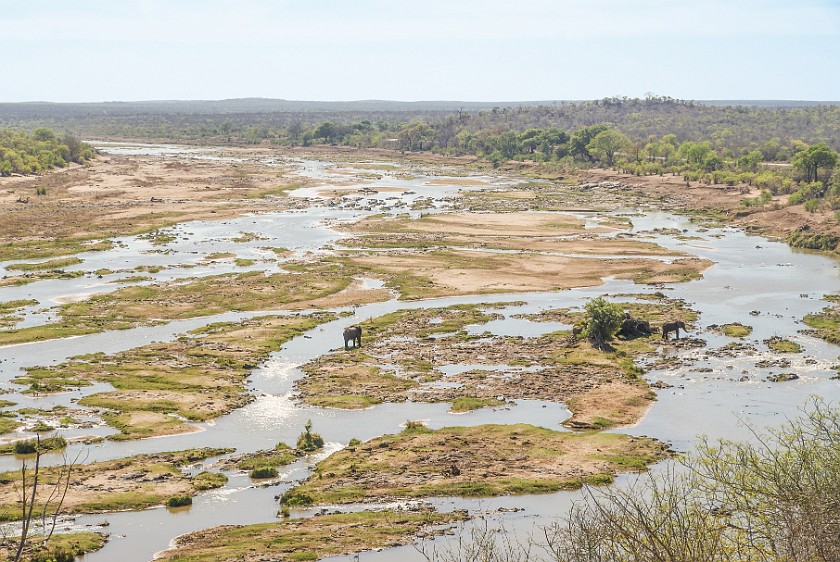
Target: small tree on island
(603, 319)
(308, 441)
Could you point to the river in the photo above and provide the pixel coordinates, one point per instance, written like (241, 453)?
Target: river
(760, 283)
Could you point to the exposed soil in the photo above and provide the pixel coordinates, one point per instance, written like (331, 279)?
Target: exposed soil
(472, 461)
(132, 483)
(771, 219)
(130, 194)
(404, 352)
(311, 538)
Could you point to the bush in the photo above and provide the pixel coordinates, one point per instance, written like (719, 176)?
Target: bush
(28, 447)
(264, 472)
(179, 501)
(293, 498)
(772, 500)
(209, 480)
(811, 205)
(603, 319)
(308, 441)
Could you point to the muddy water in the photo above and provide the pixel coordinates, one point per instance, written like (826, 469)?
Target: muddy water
(756, 282)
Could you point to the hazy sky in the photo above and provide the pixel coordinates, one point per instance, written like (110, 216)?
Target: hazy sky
(470, 50)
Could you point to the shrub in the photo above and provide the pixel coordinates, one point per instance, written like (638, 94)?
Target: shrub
(179, 501)
(27, 447)
(603, 319)
(294, 498)
(264, 472)
(209, 480)
(308, 441)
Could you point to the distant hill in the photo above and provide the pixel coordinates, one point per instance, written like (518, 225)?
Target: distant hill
(246, 105)
(28, 110)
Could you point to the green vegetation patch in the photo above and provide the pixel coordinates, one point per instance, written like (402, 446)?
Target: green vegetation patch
(281, 455)
(209, 480)
(8, 426)
(30, 446)
(130, 307)
(782, 345)
(826, 324)
(358, 380)
(37, 249)
(8, 310)
(736, 330)
(47, 265)
(310, 538)
(10, 306)
(470, 403)
(813, 241)
(195, 378)
(61, 547)
(487, 460)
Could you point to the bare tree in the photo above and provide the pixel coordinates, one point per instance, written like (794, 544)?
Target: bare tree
(47, 497)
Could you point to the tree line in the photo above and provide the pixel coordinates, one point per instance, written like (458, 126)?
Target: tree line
(40, 151)
(780, 150)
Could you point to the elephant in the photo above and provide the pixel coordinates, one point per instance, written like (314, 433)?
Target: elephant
(672, 327)
(353, 334)
(634, 327)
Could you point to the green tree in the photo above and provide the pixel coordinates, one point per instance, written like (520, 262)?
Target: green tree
(606, 144)
(603, 319)
(811, 161)
(581, 138)
(325, 131)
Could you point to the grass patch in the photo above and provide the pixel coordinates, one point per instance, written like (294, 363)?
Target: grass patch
(782, 345)
(209, 480)
(11, 306)
(39, 249)
(470, 403)
(350, 381)
(826, 324)
(736, 330)
(47, 265)
(61, 547)
(8, 426)
(282, 455)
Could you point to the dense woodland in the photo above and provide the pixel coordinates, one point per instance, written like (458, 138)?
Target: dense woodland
(40, 151)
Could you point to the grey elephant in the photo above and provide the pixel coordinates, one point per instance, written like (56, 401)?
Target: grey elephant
(353, 334)
(672, 327)
(634, 327)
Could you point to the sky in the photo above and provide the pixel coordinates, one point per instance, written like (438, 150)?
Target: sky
(465, 50)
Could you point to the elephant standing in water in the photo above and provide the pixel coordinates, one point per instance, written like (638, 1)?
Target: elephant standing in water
(672, 327)
(353, 334)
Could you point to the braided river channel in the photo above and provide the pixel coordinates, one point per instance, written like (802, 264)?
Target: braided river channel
(754, 281)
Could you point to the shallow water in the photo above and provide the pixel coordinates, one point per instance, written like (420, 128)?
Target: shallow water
(751, 275)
